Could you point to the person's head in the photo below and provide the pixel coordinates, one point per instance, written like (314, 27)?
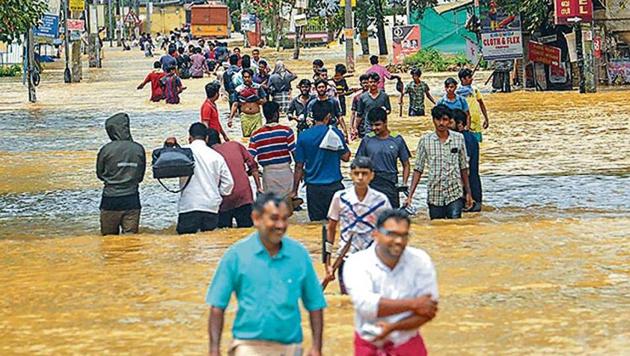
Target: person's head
(212, 90)
(392, 233)
(211, 45)
(364, 81)
(181, 50)
(416, 74)
(317, 65)
(459, 119)
(340, 69)
(377, 118)
(191, 49)
(305, 87)
(201, 42)
(373, 81)
(361, 172)
(197, 50)
(157, 65)
(441, 117)
(373, 60)
(270, 214)
(233, 59)
(271, 111)
(465, 76)
(256, 54)
(197, 131)
(236, 50)
(450, 85)
(323, 74)
(213, 137)
(172, 50)
(321, 86)
(321, 111)
(171, 69)
(279, 68)
(263, 67)
(247, 74)
(246, 61)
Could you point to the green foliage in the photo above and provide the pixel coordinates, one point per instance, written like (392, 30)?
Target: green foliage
(10, 71)
(432, 60)
(18, 16)
(534, 13)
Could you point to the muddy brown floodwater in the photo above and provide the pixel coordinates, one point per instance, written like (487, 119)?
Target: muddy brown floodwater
(545, 268)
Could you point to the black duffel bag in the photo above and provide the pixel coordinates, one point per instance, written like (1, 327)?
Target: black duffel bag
(173, 162)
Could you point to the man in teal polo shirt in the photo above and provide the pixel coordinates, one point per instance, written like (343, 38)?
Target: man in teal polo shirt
(268, 272)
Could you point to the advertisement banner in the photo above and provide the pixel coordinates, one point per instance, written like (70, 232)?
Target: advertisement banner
(618, 72)
(76, 25)
(502, 45)
(540, 53)
(405, 42)
(568, 12)
(77, 5)
(473, 52)
(501, 36)
(49, 27)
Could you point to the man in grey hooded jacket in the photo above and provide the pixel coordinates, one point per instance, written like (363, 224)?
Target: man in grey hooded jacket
(120, 165)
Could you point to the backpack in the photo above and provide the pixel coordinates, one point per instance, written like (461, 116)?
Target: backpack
(173, 162)
(227, 81)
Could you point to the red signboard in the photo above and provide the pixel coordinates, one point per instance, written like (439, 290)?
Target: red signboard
(76, 25)
(540, 53)
(568, 12)
(597, 46)
(406, 41)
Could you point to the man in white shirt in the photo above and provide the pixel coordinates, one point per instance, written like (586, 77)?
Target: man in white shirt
(199, 202)
(394, 290)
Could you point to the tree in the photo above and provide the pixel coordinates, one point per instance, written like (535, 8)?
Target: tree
(18, 16)
(534, 13)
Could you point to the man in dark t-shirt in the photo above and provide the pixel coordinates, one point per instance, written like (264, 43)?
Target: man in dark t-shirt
(373, 98)
(385, 149)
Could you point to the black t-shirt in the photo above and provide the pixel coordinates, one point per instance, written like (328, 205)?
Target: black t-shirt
(342, 88)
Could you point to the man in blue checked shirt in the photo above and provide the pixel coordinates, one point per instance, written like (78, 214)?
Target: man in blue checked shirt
(269, 272)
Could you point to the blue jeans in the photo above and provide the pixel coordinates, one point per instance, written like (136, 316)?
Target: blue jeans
(452, 210)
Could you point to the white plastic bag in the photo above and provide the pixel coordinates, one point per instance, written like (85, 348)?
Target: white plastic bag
(332, 141)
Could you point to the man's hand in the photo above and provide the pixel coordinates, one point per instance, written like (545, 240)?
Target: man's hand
(424, 306)
(386, 330)
(486, 123)
(408, 200)
(140, 86)
(469, 201)
(229, 123)
(330, 274)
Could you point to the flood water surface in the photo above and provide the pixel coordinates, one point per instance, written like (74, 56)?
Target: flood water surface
(543, 269)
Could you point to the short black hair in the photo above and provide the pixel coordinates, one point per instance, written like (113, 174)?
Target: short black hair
(459, 116)
(271, 110)
(304, 82)
(197, 50)
(321, 110)
(416, 71)
(450, 81)
(172, 49)
(440, 110)
(262, 62)
(374, 76)
(373, 60)
(464, 72)
(212, 89)
(364, 77)
(198, 131)
(396, 214)
(376, 115)
(246, 61)
(213, 137)
(323, 70)
(236, 48)
(362, 162)
(157, 64)
(264, 198)
(233, 59)
(318, 62)
(320, 81)
(248, 71)
(341, 69)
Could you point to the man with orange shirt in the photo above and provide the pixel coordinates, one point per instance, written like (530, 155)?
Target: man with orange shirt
(209, 111)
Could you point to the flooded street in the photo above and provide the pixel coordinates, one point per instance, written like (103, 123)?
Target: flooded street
(545, 268)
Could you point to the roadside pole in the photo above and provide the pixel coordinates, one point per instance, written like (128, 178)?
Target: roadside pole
(296, 45)
(580, 56)
(349, 37)
(67, 78)
(110, 32)
(32, 95)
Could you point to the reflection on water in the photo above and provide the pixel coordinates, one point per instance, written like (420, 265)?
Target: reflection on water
(543, 269)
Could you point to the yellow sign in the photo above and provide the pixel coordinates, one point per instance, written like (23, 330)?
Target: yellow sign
(342, 3)
(76, 5)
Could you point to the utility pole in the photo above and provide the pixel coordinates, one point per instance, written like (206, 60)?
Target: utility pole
(580, 56)
(110, 33)
(298, 33)
(118, 24)
(30, 55)
(67, 78)
(589, 59)
(93, 37)
(349, 37)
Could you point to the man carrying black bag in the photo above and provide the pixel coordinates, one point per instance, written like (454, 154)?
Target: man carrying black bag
(120, 165)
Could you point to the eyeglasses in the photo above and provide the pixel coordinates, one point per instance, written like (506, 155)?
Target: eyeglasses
(393, 234)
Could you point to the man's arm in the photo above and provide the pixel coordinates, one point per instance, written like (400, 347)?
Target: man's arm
(484, 111)
(215, 328)
(429, 96)
(331, 232)
(346, 156)
(146, 80)
(464, 175)
(317, 327)
(406, 171)
(423, 305)
(232, 113)
(414, 183)
(412, 322)
(297, 176)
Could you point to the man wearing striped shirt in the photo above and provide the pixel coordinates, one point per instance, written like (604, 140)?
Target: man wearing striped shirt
(273, 145)
(444, 151)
